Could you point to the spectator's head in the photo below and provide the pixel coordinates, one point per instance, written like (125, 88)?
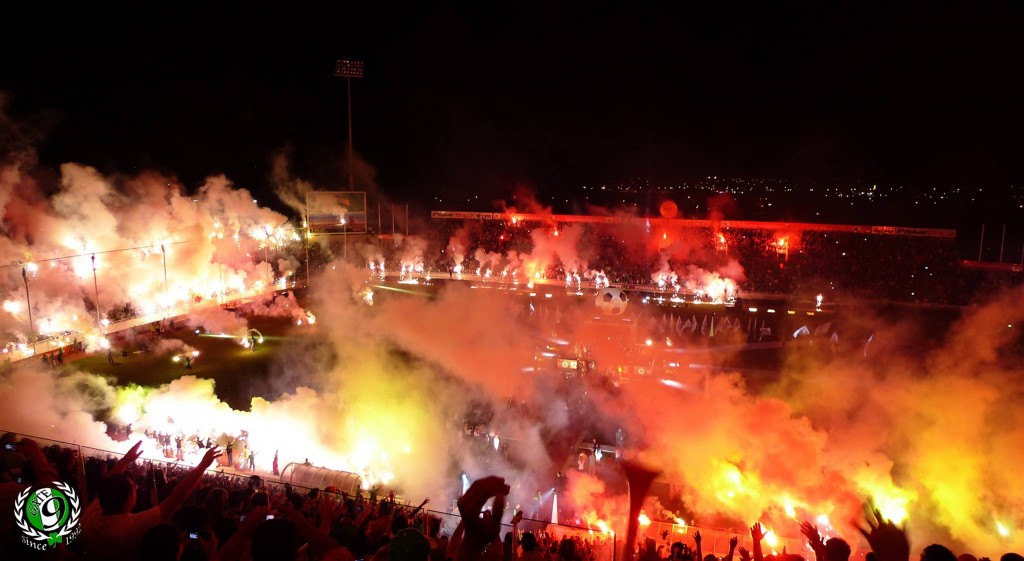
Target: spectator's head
(677, 550)
(567, 550)
(409, 544)
(529, 541)
(275, 540)
(966, 557)
(216, 501)
(193, 518)
(398, 524)
(936, 552)
(1012, 557)
(434, 527)
(236, 500)
(117, 494)
(836, 549)
(161, 543)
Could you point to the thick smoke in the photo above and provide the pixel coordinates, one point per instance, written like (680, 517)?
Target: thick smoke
(214, 243)
(935, 440)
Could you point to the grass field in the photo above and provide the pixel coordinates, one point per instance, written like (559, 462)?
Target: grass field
(236, 369)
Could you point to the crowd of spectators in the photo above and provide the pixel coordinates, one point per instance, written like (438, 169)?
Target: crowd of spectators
(844, 266)
(138, 510)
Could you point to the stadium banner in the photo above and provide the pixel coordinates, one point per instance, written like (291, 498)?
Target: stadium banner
(326, 209)
(688, 223)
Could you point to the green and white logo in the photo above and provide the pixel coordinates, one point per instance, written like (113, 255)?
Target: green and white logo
(47, 516)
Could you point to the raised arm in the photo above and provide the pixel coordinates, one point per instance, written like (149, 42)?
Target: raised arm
(481, 532)
(127, 460)
(419, 508)
(814, 539)
(732, 548)
(888, 541)
(516, 519)
(756, 535)
(238, 544)
(187, 485)
(319, 542)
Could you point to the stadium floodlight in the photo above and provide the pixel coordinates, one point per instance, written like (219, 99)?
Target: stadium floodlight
(349, 69)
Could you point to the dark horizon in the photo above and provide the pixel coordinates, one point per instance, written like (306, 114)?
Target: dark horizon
(461, 101)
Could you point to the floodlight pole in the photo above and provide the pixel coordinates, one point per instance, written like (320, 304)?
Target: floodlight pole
(351, 172)
(344, 235)
(163, 253)
(28, 300)
(96, 290)
(349, 69)
(306, 240)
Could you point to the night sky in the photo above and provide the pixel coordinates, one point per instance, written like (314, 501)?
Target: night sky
(477, 98)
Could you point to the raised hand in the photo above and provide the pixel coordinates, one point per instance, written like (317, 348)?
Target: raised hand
(253, 519)
(888, 541)
(732, 543)
(211, 455)
(756, 532)
(696, 537)
(134, 454)
(209, 545)
(128, 459)
(479, 532)
(813, 537)
(744, 554)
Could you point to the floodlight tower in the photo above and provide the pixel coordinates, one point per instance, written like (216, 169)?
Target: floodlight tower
(349, 69)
